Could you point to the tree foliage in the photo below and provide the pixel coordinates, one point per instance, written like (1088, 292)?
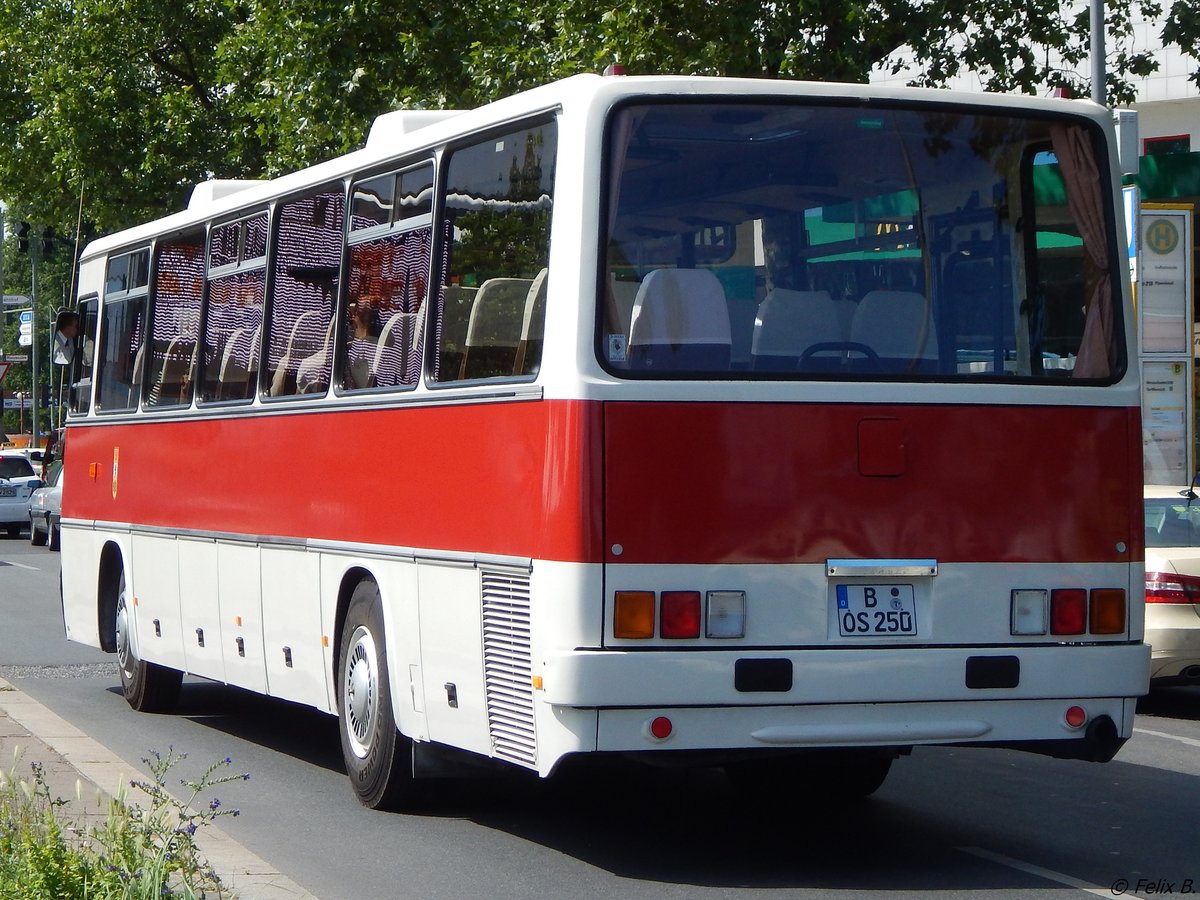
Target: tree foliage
(128, 103)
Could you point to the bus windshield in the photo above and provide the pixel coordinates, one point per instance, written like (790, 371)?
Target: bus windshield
(780, 240)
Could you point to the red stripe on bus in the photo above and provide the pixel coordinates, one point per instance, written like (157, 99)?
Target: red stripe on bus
(677, 482)
(752, 483)
(510, 478)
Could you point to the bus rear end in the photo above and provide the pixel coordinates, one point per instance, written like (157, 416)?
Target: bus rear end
(871, 433)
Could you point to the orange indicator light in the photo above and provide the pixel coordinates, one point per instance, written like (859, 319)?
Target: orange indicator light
(1108, 611)
(633, 614)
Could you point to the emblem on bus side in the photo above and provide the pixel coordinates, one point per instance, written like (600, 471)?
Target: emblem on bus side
(116, 455)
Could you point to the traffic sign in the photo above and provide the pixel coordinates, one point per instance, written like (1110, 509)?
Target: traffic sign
(4, 367)
(26, 316)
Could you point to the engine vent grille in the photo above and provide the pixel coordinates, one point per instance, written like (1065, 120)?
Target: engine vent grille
(508, 667)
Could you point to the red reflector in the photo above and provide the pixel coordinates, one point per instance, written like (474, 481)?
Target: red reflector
(661, 728)
(1076, 716)
(1167, 587)
(1068, 611)
(679, 615)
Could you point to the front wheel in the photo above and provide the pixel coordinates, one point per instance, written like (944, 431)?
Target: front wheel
(147, 687)
(379, 759)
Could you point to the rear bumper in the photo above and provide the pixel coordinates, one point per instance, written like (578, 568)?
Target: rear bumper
(1038, 726)
(666, 678)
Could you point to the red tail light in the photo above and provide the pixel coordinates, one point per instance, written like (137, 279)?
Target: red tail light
(1167, 587)
(680, 614)
(1068, 611)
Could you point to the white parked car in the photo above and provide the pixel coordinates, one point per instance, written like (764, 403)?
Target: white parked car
(1173, 585)
(18, 481)
(45, 510)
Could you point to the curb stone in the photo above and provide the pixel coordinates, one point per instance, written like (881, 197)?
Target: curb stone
(83, 771)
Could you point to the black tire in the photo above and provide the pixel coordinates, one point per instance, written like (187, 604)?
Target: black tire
(54, 541)
(824, 776)
(379, 759)
(14, 530)
(148, 687)
(37, 538)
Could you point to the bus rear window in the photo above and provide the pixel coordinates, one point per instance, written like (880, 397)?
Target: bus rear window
(781, 240)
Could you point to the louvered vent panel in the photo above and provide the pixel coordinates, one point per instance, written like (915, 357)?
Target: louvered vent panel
(508, 667)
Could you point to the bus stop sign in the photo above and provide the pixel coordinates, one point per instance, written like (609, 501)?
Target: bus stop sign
(4, 367)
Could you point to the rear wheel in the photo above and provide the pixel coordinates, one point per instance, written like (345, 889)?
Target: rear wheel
(821, 776)
(378, 757)
(14, 530)
(148, 687)
(36, 537)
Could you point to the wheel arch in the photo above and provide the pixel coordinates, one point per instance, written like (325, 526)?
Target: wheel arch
(109, 576)
(351, 578)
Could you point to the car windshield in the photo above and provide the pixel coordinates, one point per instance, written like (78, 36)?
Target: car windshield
(15, 467)
(1173, 522)
(813, 240)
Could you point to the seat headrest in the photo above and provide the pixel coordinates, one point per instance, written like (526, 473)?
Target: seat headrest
(680, 306)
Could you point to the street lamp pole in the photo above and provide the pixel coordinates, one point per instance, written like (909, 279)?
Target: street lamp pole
(35, 435)
(1099, 79)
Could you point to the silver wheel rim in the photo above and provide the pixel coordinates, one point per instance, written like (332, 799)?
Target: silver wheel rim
(360, 692)
(122, 637)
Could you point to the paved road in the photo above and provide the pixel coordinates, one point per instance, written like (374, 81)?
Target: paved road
(955, 821)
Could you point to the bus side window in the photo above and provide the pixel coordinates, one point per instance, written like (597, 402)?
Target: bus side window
(176, 292)
(492, 300)
(308, 252)
(80, 371)
(391, 246)
(234, 307)
(121, 361)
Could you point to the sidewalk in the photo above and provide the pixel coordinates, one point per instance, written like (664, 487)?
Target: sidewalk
(69, 756)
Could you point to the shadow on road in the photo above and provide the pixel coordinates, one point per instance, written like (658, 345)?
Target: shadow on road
(1173, 702)
(290, 728)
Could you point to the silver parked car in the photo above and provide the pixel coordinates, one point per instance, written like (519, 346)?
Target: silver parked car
(1173, 585)
(18, 481)
(45, 509)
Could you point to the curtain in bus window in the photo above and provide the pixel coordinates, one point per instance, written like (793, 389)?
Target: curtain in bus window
(178, 289)
(387, 283)
(1097, 350)
(231, 336)
(303, 289)
(498, 208)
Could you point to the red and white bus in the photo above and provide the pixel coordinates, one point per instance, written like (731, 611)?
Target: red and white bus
(770, 425)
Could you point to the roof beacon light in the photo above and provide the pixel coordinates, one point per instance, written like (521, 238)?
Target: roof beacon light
(614, 69)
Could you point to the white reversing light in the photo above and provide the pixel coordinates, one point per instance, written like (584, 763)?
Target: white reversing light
(1029, 610)
(726, 614)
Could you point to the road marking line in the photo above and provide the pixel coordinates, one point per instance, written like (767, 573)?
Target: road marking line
(1031, 869)
(1174, 737)
(23, 566)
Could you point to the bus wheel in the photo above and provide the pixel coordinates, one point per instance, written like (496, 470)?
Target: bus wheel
(378, 757)
(148, 687)
(821, 776)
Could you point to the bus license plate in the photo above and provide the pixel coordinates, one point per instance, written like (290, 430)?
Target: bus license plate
(876, 610)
